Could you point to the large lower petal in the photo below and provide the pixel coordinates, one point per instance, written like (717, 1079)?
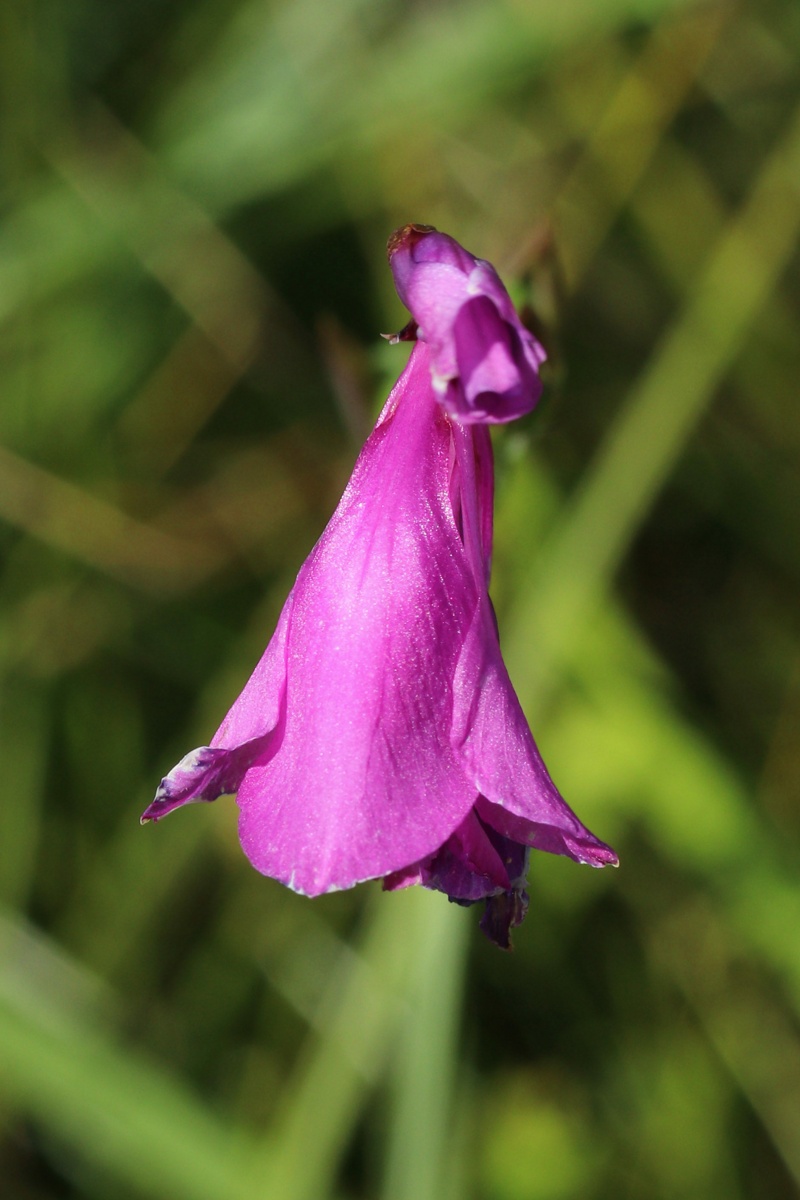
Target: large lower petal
(366, 779)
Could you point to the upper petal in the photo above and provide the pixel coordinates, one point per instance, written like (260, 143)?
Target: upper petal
(498, 752)
(495, 382)
(484, 361)
(416, 251)
(489, 730)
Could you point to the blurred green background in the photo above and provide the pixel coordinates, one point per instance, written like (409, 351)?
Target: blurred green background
(196, 198)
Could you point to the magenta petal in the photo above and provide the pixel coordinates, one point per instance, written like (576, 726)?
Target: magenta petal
(366, 780)
(468, 866)
(484, 361)
(204, 774)
(431, 247)
(258, 707)
(587, 849)
(484, 489)
(484, 348)
(489, 729)
(430, 271)
(405, 877)
(339, 745)
(495, 381)
(500, 755)
(249, 732)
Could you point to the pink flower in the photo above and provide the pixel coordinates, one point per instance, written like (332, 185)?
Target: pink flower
(379, 736)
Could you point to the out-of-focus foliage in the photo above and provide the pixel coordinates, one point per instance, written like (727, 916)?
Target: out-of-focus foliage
(195, 202)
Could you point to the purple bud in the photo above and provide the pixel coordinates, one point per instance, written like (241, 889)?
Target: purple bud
(484, 362)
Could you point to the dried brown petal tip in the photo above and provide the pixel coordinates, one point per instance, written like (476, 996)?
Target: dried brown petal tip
(407, 236)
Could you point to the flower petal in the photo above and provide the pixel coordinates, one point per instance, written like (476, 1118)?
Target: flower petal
(468, 866)
(584, 848)
(366, 779)
(249, 732)
(484, 361)
(489, 729)
(501, 757)
(204, 774)
(495, 382)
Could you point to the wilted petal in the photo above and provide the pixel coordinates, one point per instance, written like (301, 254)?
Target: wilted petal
(475, 864)
(502, 913)
(514, 854)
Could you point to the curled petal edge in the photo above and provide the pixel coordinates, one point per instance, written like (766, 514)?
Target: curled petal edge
(205, 774)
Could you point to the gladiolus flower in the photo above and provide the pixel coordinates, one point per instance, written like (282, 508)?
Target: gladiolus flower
(380, 736)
